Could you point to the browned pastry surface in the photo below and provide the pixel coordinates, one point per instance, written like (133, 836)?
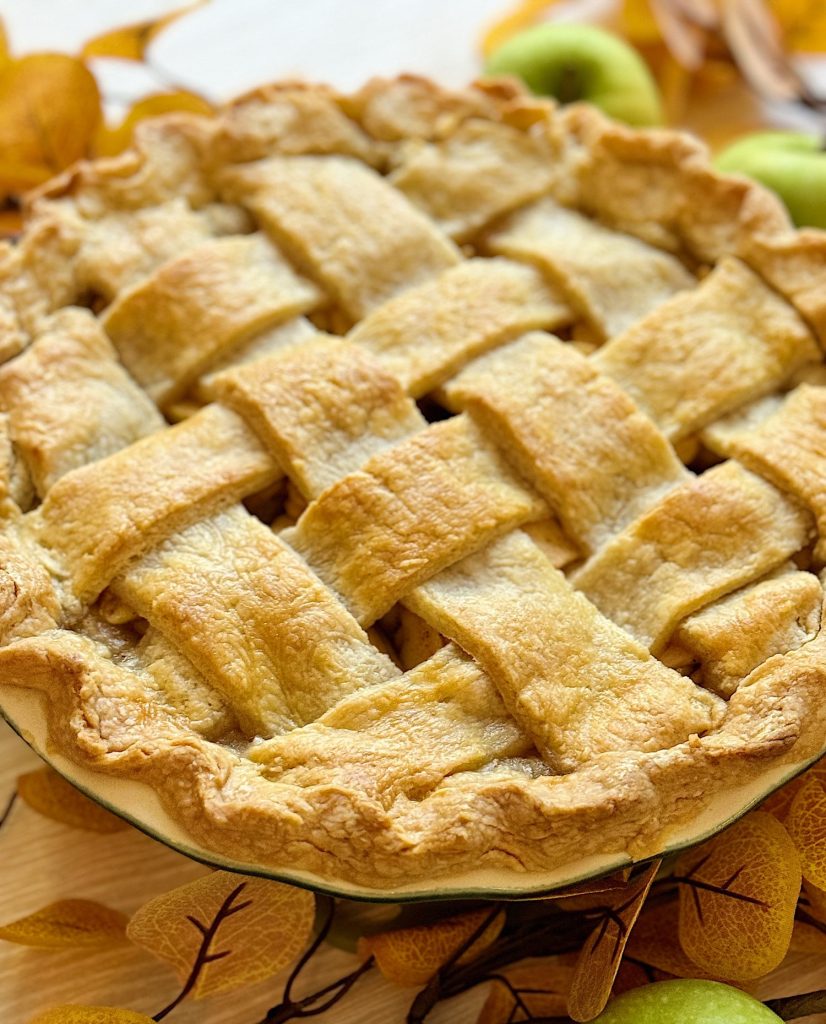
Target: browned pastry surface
(312, 525)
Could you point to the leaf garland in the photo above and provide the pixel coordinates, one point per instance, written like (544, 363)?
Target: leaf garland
(223, 931)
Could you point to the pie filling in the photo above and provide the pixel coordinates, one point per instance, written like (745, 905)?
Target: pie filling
(414, 481)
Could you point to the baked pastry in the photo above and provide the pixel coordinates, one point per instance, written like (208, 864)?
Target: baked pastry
(415, 481)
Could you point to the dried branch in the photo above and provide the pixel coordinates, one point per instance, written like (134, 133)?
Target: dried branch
(204, 956)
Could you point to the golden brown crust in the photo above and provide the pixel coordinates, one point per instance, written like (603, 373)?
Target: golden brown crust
(207, 623)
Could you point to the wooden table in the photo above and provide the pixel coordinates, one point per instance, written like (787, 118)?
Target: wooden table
(42, 861)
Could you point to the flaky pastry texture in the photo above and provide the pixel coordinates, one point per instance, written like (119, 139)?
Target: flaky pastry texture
(415, 481)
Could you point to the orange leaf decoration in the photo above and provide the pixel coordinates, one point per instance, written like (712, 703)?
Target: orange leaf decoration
(237, 930)
(49, 111)
(814, 901)
(52, 796)
(632, 975)
(5, 55)
(411, 956)
(601, 955)
(523, 15)
(111, 141)
(129, 42)
(806, 823)
(542, 986)
(654, 941)
(67, 924)
(738, 899)
(807, 938)
(803, 23)
(780, 802)
(90, 1015)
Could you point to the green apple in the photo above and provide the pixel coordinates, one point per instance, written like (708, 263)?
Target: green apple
(686, 1002)
(792, 164)
(580, 62)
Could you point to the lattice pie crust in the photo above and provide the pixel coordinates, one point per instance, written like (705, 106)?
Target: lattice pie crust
(413, 585)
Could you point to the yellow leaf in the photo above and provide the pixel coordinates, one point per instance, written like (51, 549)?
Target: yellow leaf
(600, 957)
(11, 223)
(111, 141)
(780, 802)
(129, 42)
(411, 956)
(90, 1015)
(523, 15)
(67, 923)
(806, 823)
(655, 941)
(542, 985)
(5, 55)
(807, 938)
(803, 23)
(49, 110)
(52, 796)
(738, 900)
(813, 900)
(637, 22)
(239, 929)
(632, 975)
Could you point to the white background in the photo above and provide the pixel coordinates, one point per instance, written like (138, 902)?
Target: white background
(229, 46)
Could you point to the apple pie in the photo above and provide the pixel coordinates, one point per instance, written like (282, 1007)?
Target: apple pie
(415, 480)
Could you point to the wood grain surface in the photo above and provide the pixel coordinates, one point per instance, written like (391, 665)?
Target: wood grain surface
(42, 861)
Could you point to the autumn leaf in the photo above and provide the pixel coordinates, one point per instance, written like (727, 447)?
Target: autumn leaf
(129, 42)
(809, 934)
(49, 111)
(780, 802)
(11, 222)
(803, 23)
(806, 823)
(90, 1015)
(634, 975)
(521, 16)
(411, 956)
(601, 955)
(225, 930)
(655, 941)
(813, 899)
(111, 141)
(807, 938)
(738, 895)
(637, 23)
(539, 987)
(5, 55)
(66, 924)
(52, 796)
